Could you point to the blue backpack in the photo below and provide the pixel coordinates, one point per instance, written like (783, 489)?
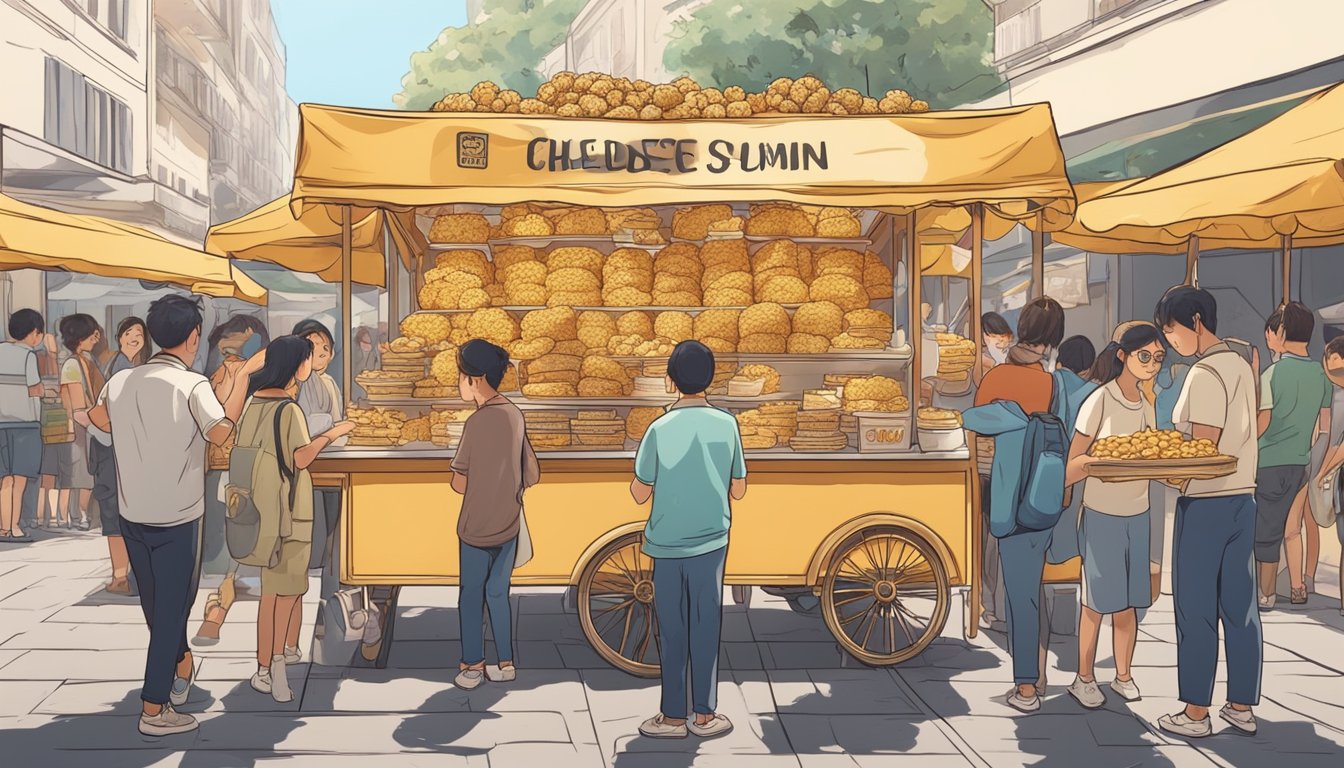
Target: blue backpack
(1045, 451)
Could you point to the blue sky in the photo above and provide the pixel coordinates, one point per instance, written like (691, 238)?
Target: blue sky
(354, 52)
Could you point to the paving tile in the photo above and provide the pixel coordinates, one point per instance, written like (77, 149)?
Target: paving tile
(839, 692)
(21, 697)
(865, 734)
(75, 665)
(85, 637)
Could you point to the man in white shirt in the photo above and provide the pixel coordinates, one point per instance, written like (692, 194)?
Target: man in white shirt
(1213, 547)
(161, 415)
(20, 420)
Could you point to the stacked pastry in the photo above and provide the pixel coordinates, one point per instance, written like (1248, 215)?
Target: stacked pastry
(956, 357)
(375, 427)
(874, 394)
(445, 430)
(598, 429)
(548, 430)
(819, 431)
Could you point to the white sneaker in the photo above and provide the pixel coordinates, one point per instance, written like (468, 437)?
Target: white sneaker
(293, 655)
(657, 727)
(1266, 602)
(718, 726)
(280, 690)
(168, 722)
(1016, 701)
(1127, 689)
(182, 687)
(1087, 692)
(1181, 725)
(469, 679)
(261, 681)
(497, 674)
(1241, 719)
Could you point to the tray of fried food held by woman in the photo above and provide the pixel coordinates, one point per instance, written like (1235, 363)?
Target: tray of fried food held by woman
(1157, 454)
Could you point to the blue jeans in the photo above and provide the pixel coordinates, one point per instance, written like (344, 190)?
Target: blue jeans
(1022, 556)
(1213, 577)
(166, 561)
(485, 583)
(688, 599)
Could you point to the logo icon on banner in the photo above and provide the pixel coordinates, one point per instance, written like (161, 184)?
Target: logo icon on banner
(473, 150)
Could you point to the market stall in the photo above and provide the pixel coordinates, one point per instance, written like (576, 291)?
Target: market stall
(588, 248)
(33, 237)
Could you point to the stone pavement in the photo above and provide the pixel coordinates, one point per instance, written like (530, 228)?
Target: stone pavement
(71, 658)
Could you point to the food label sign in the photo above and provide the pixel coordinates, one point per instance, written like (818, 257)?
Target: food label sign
(675, 156)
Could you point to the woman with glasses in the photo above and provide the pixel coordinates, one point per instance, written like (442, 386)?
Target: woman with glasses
(1114, 529)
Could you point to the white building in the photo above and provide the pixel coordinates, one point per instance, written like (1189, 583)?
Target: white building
(624, 38)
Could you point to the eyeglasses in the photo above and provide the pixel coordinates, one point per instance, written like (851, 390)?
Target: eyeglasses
(1147, 357)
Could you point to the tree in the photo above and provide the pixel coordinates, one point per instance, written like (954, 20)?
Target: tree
(504, 46)
(938, 50)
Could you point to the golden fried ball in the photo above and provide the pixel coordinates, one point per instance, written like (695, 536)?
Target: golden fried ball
(784, 289)
(761, 371)
(582, 221)
(473, 298)
(576, 257)
(763, 343)
(525, 294)
(470, 260)
(840, 261)
(808, 344)
(628, 259)
(677, 326)
(459, 228)
(559, 323)
(533, 272)
(692, 222)
(627, 297)
(822, 318)
(722, 279)
(431, 329)
(867, 318)
(842, 290)
(531, 225)
(720, 323)
(638, 279)
(494, 325)
(768, 318)
(635, 323)
(727, 297)
(444, 368)
(572, 280)
(676, 299)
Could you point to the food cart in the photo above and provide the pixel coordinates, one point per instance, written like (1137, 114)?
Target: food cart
(587, 247)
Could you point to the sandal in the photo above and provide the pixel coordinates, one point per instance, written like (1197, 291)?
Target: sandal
(1298, 596)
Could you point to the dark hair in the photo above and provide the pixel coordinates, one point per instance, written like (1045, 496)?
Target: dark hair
(23, 322)
(172, 319)
(77, 328)
(1275, 320)
(309, 327)
(1331, 332)
(235, 325)
(1334, 347)
(128, 324)
(691, 367)
(363, 334)
(284, 356)
(1298, 322)
(1109, 365)
(1076, 354)
(1181, 304)
(479, 357)
(992, 323)
(1041, 323)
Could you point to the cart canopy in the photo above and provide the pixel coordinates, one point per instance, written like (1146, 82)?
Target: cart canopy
(311, 242)
(1009, 159)
(33, 237)
(1284, 178)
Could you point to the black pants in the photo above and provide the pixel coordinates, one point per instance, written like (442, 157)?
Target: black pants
(166, 561)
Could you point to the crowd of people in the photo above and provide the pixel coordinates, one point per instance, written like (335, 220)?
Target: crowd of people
(243, 438)
(1283, 426)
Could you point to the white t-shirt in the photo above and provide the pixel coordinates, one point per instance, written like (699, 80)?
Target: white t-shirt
(1105, 413)
(160, 413)
(1219, 392)
(18, 372)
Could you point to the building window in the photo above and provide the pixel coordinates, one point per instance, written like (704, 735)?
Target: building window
(110, 14)
(84, 119)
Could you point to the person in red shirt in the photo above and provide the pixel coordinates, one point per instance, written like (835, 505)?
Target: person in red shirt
(1023, 379)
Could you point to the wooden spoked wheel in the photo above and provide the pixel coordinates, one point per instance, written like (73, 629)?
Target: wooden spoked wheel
(885, 596)
(616, 606)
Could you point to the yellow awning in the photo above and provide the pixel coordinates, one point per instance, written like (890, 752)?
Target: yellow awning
(41, 238)
(1284, 178)
(1007, 158)
(311, 243)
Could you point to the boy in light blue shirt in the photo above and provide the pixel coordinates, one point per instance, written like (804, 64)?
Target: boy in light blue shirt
(690, 463)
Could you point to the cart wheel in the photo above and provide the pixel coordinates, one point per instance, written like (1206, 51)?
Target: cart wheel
(885, 595)
(616, 606)
(742, 596)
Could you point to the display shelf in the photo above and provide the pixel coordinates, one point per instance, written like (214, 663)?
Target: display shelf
(448, 403)
(897, 355)
(840, 242)
(645, 308)
(422, 450)
(438, 247)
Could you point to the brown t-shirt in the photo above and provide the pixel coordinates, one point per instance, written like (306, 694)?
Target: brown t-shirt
(497, 459)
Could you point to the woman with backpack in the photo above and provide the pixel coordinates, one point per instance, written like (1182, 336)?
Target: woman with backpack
(274, 426)
(1115, 529)
(1024, 381)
